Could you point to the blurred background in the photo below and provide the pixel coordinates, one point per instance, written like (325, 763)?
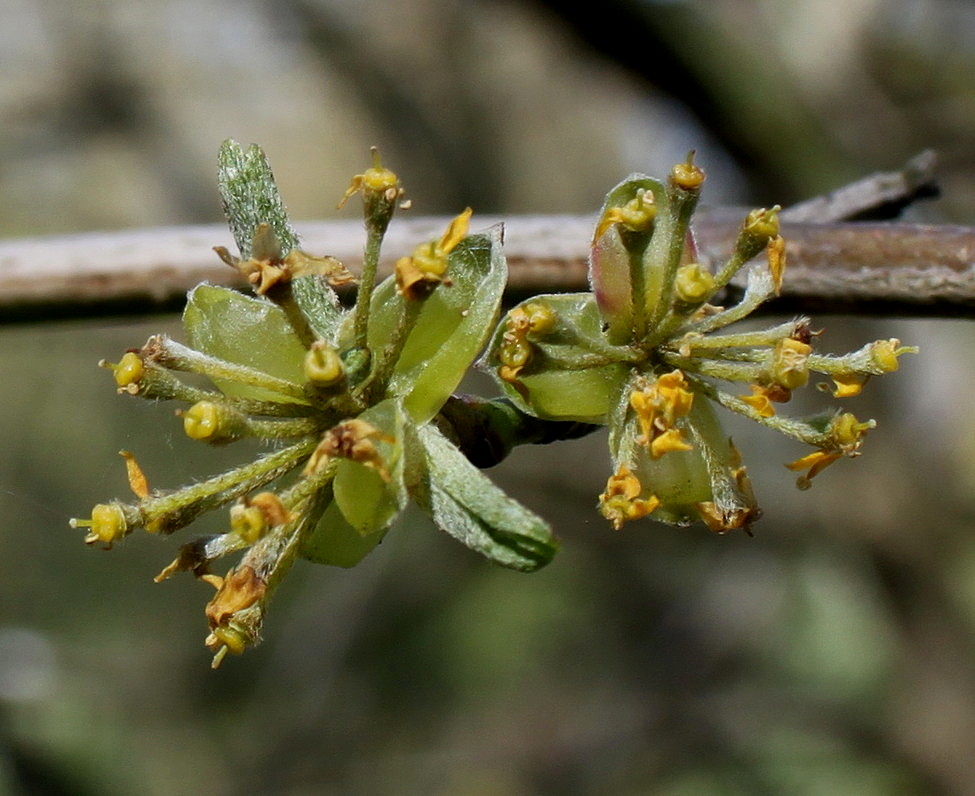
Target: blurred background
(833, 653)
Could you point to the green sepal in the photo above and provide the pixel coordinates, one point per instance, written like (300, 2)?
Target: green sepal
(369, 502)
(464, 503)
(451, 328)
(250, 197)
(561, 381)
(245, 330)
(334, 542)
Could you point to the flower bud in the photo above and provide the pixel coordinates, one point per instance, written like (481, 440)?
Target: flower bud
(323, 365)
(686, 175)
(212, 422)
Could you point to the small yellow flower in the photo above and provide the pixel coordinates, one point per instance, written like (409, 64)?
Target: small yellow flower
(760, 400)
(846, 435)
(376, 181)
(789, 363)
(884, 354)
(637, 215)
(693, 284)
(350, 439)
(621, 501)
(108, 524)
(848, 384)
(686, 175)
(322, 365)
(657, 406)
(419, 274)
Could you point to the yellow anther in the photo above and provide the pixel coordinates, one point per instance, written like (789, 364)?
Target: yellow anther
(670, 440)
(621, 501)
(202, 420)
(759, 400)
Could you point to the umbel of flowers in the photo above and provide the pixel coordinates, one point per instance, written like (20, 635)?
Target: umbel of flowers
(349, 399)
(648, 353)
(357, 404)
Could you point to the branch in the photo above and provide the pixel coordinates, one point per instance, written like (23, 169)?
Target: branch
(861, 267)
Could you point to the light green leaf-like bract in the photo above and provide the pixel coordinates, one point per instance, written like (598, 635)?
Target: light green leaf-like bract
(367, 501)
(557, 386)
(250, 196)
(463, 502)
(245, 330)
(452, 327)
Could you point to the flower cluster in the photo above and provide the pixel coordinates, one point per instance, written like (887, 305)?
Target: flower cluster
(350, 399)
(357, 406)
(647, 354)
